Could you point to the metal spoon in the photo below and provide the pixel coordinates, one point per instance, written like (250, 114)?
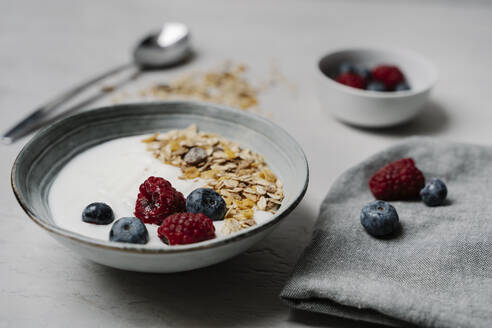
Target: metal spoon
(166, 47)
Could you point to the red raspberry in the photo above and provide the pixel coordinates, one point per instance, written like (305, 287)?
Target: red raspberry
(157, 199)
(186, 228)
(389, 75)
(352, 80)
(399, 180)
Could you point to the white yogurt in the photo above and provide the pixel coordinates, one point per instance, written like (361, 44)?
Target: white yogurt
(112, 173)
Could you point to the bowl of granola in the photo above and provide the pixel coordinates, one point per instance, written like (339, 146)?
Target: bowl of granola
(160, 187)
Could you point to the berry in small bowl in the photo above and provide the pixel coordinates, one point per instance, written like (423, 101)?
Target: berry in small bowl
(389, 75)
(374, 88)
(352, 80)
(381, 78)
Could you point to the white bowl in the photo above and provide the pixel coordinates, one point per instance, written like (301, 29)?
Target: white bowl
(374, 109)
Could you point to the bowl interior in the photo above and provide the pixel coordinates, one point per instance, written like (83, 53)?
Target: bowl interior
(42, 158)
(419, 73)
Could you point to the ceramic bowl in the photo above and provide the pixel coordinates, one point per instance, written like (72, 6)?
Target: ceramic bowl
(38, 163)
(374, 109)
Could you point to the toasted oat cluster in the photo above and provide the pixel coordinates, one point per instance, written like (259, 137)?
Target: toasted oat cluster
(226, 86)
(239, 175)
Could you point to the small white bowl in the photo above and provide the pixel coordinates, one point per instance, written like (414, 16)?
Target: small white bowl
(373, 109)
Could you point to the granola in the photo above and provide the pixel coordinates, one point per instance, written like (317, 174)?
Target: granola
(227, 86)
(239, 175)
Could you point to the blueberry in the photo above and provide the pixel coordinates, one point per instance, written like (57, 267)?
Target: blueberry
(379, 218)
(346, 68)
(364, 72)
(129, 230)
(402, 86)
(98, 213)
(434, 193)
(376, 86)
(208, 202)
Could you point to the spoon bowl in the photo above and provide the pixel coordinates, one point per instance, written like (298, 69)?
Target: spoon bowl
(166, 47)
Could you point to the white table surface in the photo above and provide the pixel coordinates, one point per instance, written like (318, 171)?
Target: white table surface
(48, 45)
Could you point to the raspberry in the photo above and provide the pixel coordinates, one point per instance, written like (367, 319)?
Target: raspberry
(389, 75)
(399, 180)
(352, 80)
(157, 199)
(186, 228)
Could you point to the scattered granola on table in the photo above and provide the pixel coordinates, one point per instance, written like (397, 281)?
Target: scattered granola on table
(226, 86)
(229, 85)
(239, 175)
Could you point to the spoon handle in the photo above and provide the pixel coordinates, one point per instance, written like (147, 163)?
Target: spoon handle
(35, 120)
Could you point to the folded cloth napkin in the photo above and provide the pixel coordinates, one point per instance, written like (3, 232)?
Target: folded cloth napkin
(437, 272)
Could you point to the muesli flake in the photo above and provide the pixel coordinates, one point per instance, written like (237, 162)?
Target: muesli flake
(239, 175)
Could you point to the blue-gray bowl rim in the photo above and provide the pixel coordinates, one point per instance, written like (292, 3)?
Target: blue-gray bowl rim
(160, 250)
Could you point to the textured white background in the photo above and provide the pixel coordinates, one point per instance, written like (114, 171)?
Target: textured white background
(48, 45)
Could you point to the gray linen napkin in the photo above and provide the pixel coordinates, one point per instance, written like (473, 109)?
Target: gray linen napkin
(436, 273)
